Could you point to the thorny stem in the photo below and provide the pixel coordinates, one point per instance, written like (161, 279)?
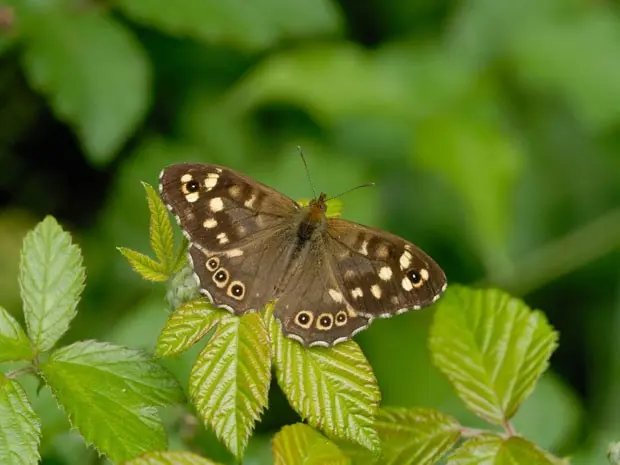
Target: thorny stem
(508, 428)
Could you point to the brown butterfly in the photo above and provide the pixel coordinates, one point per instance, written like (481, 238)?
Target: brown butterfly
(249, 245)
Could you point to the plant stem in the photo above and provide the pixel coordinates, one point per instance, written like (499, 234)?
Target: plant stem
(20, 371)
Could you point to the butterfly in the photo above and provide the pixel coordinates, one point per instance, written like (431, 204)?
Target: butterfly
(250, 245)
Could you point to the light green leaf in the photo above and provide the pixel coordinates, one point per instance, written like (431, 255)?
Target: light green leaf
(181, 258)
(20, 428)
(495, 450)
(334, 207)
(51, 278)
(415, 436)
(333, 389)
(94, 72)
(230, 380)
(301, 444)
(14, 344)
(252, 25)
(160, 230)
(145, 266)
(492, 347)
(110, 394)
(170, 458)
(186, 326)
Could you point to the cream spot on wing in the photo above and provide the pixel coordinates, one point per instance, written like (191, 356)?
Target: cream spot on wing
(357, 293)
(385, 273)
(349, 274)
(235, 191)
(186, 178)
(191, 198)
(382, 251)
(364, 248)
(219, 170)
(216, 204)
(211, 180)
(210, 223)
(394, 300)
(222, 238)
(406, 283)
(352, 313)
(405, 260)
(424, 274)
(335, 295)
(376, 291)
(248, 203)
(241, 230)
(233, 253)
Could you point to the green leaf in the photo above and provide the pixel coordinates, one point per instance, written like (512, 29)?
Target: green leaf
(20, 428)
(14, 344)
(301, 444)
(495, 450)
(162, 239)
(333, 389)
(51, 278)
(170, 458)
(230, 380)
(186, 326)
(94, 72)
(110, 394)
(252, 25)
(492, 347)
(181, 258)
(415, 436)
(145, 266)
(334, 207)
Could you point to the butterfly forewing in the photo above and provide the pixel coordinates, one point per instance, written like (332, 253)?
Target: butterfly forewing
(379, 273)
(239, 232)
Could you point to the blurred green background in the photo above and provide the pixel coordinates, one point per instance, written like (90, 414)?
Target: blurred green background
(492, 130)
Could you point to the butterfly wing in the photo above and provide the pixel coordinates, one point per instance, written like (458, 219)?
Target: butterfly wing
(381, 274)
(311, 309)
(239, 232)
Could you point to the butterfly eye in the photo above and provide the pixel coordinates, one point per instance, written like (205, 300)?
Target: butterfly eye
(192, 186)
(341, 318)
(325, 322)
(213, 263)
(220, 277)
(417, 277)
(304, 319)
(236, 290)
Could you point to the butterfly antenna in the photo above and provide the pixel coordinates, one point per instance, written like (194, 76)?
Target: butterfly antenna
(368, 184)
(301, 153)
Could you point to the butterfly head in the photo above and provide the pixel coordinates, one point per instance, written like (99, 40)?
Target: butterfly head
(318, 207)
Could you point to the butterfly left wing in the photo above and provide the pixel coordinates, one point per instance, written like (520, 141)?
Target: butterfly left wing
(381, 274)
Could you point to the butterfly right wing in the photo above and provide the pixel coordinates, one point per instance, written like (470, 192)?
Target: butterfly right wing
(239, 232)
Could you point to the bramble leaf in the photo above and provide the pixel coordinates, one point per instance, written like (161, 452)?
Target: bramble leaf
(51, 278)
(162, 239)
(299, 443)
(334, 389)
(490, 449)
(145, 266)
(95, 74)
(417, 436)
(20, 428)
(186, 326)
(492, 347)
(230, 380)
(110, 394)
(170, 458)
(14, 344)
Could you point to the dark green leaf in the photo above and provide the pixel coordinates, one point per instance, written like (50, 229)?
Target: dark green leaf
(332, 389)
(145, 266)
(492, 347)
(20, 428)
(229, 382)
(415, 436)
(186, 326)
(301, 444)
(110, 394)
(93, 71)
(14, 344)
(51, 278)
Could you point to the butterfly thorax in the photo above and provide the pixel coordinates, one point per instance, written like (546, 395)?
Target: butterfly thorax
(313, 219)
